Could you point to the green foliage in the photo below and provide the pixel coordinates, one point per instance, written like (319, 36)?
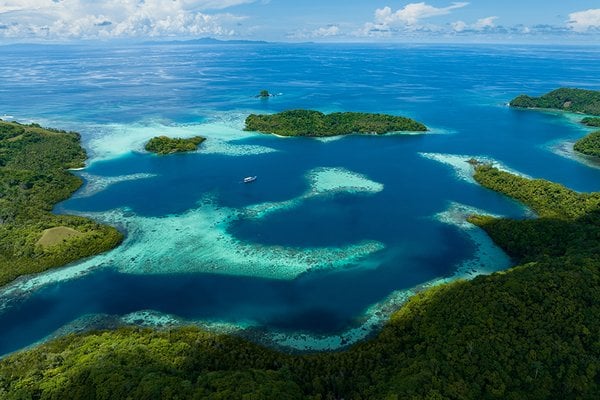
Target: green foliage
(547, 199)
(315, 123)
(33, 178)
(167, 145)
(568, 226)
(574, 100)
(589, 145)
(132, 363)
(591, 121)
(567, 99)
(527, 333)
(264, 93)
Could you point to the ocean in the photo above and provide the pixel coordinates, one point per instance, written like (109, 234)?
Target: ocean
(335, 233)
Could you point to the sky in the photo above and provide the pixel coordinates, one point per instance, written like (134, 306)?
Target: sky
(534, 21)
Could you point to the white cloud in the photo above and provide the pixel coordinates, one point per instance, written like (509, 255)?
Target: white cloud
(582, 21)
(332, 30)
(484, 23)
(115, 18)
(322, 32)
(373, 30)
(408, 18)
(459, 26)
(412, 13)
(481, 24)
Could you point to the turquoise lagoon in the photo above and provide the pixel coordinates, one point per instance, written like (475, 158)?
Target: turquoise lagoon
(335, 233)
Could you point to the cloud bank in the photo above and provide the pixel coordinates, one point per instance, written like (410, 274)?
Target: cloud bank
(583, 21)
(412, 13)
(407, 18)
(416, 20)
(482, 24)
(107, 19)
(59, 19)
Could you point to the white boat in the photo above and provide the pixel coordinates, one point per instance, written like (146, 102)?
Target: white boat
(249, 179)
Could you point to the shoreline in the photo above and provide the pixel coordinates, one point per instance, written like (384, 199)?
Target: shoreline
(564, 148)
(488, 258)
(359, 134)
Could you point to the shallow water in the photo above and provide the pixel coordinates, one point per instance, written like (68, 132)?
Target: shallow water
(322, 255)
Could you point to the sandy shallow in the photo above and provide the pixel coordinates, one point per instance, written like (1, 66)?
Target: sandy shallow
(96, 184)
(488, 258)
(564, 148)
(198, 241)
(223, 133)
(464, 170)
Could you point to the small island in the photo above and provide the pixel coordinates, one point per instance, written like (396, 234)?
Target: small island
(316, 124)
(264, 94)
(165, 145)
(34, 176)
(591, 121)
(564, 99)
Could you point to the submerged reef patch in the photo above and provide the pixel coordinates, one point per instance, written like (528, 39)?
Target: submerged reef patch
(564, 148)
(96, 184)
(198, 241)
(488, 258)
(464, 165)
(222, 134)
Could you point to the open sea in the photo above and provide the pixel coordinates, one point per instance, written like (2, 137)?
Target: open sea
(335, 233)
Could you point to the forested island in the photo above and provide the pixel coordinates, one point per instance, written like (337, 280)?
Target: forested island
(34, 176)
(565, 99)
(165, 145)
(316, 124)
(591, 121)
(573, 100)
(529, 332)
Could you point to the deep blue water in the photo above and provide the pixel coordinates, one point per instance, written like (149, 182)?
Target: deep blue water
(458, 90)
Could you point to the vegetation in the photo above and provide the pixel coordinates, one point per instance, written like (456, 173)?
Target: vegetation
(568, 223)
(264, 94)
(33, 178)
(591, 121)
(589, 145)
(527, 333)
(166, 145)
(574, 100)
(315, 123)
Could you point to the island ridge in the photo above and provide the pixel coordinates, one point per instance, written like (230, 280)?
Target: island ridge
(317, 124)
